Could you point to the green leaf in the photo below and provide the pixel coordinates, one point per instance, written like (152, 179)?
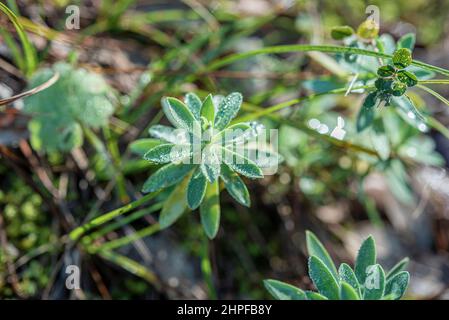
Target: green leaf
(314, 296)
(341, 32)
(211, 162)
(368, 29)
(323, 279)
(241, 165)
(347, 292)
(397, 285)
(408, 78)
(398, 88)
(196, 190)
(379, 139)
(178, 114)
(236, 133)
(366, 257)
(174, 206)
(208, 109)
(407, 41)
(408, 111)
(235, 186)
(386, 71)
(227, 110)
(165, 133)
(398, 182)
(166, 176)
(402, 58)
(367, 111)
(316, 248)
(210, 210)
(194, 104)
(347, 275)
(141, 146)
(283, 291)
(400, 266)
(165, 153)
(374, 284)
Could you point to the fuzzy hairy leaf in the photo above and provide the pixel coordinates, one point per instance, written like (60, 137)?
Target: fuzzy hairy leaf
(196, 189)
(366, 257)
(194, 103)
(168, 152)
(241, 165)
(166, 176)
(283, 291)
(374, 284)
(227, 110)
(316, 248)
(323, 279)
(174, 206)
(397, 285)
(178, 113)
(211, 163)
(347, 275)
(398, 267)
(208, 109)
(141, 146)
(235, 186)
(165, 133)
(236, 133)
(210, 210)
(347, 292)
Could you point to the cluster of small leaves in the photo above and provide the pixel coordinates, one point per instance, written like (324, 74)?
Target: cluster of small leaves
(197, 171)
(368, 280)
(78, 98)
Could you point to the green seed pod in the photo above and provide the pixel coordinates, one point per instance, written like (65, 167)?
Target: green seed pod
(386, 71)
(341, 32)
(407, 78)
(402, 58)
(398, 88)
(368, 30)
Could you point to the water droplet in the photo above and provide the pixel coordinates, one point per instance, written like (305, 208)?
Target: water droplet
(422, 127)
(323, 129)
(411, 115)
(314, 123)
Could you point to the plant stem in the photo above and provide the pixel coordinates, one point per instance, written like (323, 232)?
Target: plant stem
(79, 231)
(206, 267)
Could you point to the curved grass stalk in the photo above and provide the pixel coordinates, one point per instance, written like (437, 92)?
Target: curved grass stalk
(434, 81)
(434, 93)
(320, 48)
(76, 233)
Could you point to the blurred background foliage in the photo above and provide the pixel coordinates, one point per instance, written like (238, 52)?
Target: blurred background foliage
(390, 182)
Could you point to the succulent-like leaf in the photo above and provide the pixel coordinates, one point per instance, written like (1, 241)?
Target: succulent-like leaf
(315, 296)
(208, 109)
(367, 111)
(210, 210)
(168, 152)
(347, 292)
(323, 279)
(398, 88)
(233, 134)
(227, 110)
(402, 58)
(141, 146)
(194, 104)
(174, 206)
(283, 291)
(386, 71)
(341, 32)
(241, 165)
(408, 78)
(178, 113)
(235, 186)
(366, 257)
(166, 176)
(316, 248)
(162, 132)
(211, 162)
(196, 189)
(397, 285)
(347, 275)
(374, 284)
(398, 267)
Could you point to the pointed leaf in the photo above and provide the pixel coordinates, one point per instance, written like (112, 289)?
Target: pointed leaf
(236, 133)
(241, 165)
(323, 279)
(166, 176)
(316, 248)
(398, 267)
(211, 163)
(178, 113)
(208, 109)
(347, 275)
(283, 291)
(174, 206)
(227, 110)
(165, 153)
(141, 146)
(235, 186)
(210, 210)
(397, 285)
(196, 190)
(315, 296)
(367, 111)
(407, 41)
(194, 104)
(374, 284)
(165, 133)
(366, 257)
(347, 292)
